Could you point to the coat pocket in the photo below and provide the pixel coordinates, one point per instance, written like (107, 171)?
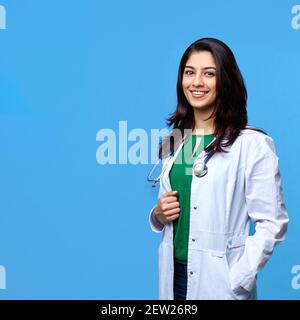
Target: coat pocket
(232, 255)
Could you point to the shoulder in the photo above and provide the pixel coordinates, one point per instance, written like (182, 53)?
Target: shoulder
(257, 142)
(254, 137)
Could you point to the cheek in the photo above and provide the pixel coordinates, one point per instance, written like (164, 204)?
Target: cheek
(213, 86)
(185, 83)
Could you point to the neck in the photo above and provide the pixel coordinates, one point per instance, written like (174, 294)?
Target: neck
(202, 126)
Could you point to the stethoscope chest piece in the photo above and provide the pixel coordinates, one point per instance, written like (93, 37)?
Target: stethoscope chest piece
(200, 169)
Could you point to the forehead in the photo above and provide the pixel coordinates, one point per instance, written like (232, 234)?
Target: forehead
(201, 59)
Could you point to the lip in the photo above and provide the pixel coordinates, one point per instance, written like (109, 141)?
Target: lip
(198, 96)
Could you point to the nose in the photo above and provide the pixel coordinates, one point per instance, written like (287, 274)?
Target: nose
(198, 80)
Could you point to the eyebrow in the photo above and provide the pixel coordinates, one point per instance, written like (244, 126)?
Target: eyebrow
(205, 68)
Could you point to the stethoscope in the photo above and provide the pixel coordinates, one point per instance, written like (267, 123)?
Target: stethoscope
(200, 168)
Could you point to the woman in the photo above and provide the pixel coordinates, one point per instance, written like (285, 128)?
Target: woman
(206, 251)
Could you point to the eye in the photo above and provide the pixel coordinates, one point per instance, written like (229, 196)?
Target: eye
(209, 74)
(188, 72)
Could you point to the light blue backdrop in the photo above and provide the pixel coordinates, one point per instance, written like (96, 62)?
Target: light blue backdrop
(73, 229)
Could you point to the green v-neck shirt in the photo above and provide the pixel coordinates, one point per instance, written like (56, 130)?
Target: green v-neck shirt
(181, 180)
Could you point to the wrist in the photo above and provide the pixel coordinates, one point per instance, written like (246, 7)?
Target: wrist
(155, 217)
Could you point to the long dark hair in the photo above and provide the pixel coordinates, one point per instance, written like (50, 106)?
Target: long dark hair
(230, 106)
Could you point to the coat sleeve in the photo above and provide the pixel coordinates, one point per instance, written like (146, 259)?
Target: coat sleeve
(155, 225)
(266, 209)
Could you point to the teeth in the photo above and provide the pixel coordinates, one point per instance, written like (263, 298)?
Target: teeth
(199, 93)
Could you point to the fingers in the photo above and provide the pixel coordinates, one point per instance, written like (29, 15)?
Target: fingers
(169, 206)
(170, 193)
(169, 199)
(171, 218)
(172, 212)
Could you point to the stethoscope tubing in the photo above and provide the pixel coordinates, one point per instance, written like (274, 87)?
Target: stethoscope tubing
(156, 180)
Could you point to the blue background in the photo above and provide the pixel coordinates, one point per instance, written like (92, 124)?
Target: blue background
(73, 229)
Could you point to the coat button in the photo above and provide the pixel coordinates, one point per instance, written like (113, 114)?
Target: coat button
(191, 272)
(193, 240)
(195, 208)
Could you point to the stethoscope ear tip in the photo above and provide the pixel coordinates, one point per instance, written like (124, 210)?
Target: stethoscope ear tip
(154, 184)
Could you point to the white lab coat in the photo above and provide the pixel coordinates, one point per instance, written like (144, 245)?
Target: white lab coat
(223, 259)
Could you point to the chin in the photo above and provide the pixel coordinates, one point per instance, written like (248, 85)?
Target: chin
(204, 107)
(200, 104)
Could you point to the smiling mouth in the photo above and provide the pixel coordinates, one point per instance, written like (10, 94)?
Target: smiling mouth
(199, 93)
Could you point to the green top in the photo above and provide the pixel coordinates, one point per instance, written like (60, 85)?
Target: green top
(181, 180)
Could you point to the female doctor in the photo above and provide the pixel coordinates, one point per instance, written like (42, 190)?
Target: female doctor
(220, 175)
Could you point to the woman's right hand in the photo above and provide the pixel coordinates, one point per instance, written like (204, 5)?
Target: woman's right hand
(167, 208)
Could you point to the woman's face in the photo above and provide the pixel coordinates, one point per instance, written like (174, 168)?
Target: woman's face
(199, 80)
